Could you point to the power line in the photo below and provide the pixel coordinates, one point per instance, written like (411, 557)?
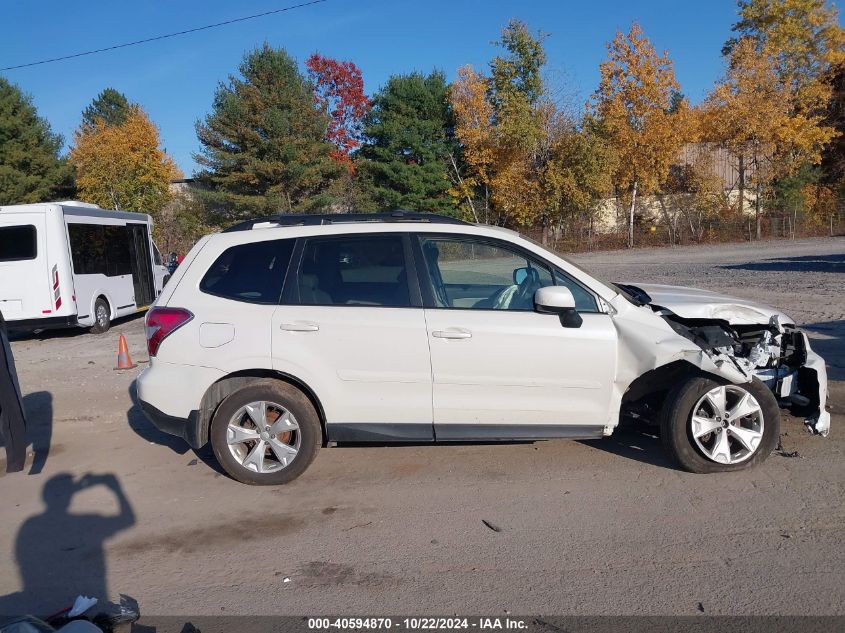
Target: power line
(163, 37)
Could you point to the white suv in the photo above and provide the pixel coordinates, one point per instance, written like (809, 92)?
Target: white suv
(283, 334)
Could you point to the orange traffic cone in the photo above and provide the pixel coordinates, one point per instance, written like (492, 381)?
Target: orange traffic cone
(124, 360)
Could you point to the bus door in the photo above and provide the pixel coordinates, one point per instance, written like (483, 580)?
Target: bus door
(141, 262)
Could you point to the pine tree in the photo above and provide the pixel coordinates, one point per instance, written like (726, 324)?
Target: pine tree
(264, 146)
(30, 167)
(410, 137)
(110, 106)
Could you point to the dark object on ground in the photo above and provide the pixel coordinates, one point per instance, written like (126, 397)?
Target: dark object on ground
(12, 419)
(106, 617)
(780, 450)
(492, 526)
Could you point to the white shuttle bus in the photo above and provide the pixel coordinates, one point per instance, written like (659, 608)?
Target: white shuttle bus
(66, 264)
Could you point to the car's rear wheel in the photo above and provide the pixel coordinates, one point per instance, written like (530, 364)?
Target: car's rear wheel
(710, 426)
(266, 433)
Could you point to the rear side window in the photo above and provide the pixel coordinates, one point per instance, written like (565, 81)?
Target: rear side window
(366, 270)
(253, 273)
(17, 243)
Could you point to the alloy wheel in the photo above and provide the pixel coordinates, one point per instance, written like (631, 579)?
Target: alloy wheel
(263, 437)
(727, 424)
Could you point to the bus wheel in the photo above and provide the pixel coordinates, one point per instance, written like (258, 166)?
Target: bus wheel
(102, 316)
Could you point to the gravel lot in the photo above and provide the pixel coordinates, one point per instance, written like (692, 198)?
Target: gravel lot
(600, 527)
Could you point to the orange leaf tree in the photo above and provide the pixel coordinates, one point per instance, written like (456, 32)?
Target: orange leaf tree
(633, 102)
(752, 113)
(123, 166)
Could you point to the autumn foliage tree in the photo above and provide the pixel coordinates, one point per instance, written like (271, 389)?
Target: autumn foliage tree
(504, 124)
(580, 173)
(634, 101)
(524, 119)
(474, 130)
(123, 166)
(339, 91)
(804, 41)
(524, 161)
(751, 112)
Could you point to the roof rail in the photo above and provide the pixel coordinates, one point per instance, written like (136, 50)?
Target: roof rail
(315, 219)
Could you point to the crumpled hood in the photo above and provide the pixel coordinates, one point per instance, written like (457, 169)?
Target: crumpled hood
(694, 303)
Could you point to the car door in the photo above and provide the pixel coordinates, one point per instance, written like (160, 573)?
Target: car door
(501, 370)
(352, 327)
(238, 296)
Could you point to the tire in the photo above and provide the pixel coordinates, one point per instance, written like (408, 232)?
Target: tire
(290, 441)
(679, 426)
(102, 316)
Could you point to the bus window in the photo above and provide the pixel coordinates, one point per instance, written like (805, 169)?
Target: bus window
(88, 249)
(17, 243)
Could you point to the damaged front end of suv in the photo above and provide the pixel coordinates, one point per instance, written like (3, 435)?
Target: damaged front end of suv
(745, 340)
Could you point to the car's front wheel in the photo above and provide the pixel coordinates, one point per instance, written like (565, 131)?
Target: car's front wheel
(709, 426)
(266, 433)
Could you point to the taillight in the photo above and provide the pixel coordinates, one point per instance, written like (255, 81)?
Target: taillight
(161, 323)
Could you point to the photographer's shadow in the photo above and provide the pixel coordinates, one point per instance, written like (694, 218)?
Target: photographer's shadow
(61, 555)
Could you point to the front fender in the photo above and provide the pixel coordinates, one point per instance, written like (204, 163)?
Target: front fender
(647, 342)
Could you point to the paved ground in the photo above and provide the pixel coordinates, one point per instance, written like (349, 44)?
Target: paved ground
(605, 527)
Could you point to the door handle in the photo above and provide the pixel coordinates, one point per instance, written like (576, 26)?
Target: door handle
(299, 326)
(452, 333)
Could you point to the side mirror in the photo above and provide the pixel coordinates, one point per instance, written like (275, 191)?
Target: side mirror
(558, 300)
(521, 274)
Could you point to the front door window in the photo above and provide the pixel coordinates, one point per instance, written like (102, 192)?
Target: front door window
(478, 275)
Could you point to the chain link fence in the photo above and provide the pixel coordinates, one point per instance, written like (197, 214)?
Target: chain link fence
(574, 239)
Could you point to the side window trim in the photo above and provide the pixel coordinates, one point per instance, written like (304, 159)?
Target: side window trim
(429, 301)
(557, 271)
(290, 290)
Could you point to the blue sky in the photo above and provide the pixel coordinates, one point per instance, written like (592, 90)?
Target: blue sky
(174, 79)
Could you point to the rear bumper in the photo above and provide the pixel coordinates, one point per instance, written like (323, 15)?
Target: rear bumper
(42, 324)
(186, 428)
(170, 395)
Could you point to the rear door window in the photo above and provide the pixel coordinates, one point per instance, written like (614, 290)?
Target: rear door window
(18, 243)
(356, 270)
(253, 273)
